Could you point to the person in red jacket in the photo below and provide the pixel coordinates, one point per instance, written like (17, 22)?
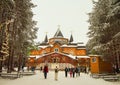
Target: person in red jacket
(45, 71)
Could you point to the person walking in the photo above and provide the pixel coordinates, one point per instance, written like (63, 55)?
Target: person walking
(79, 71)
(40, 68)
(71, 72)
(56, 73)
(66, 71)
(76, 71)
(45, 71)
(33, 69)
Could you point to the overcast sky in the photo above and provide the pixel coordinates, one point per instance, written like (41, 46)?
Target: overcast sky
(71, 15)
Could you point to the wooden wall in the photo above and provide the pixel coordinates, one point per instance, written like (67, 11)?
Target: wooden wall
(99, 66)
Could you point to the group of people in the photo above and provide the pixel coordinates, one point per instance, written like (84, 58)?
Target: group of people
(72, 72)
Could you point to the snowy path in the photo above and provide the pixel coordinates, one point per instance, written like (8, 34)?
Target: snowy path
(38, 79)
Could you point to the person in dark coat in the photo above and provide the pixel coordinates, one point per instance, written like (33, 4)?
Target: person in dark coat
(73, 69)
(45, 71)
(66, 71)
(79, 71)
(76, 71)
(41, 68)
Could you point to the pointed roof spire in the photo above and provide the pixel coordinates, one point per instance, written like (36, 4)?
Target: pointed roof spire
(58, 33)
(71, 38)
(46, 38)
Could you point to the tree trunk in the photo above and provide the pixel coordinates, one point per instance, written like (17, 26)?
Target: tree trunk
(19, 62)
(0, 66)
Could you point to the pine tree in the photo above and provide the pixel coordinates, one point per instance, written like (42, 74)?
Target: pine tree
(18, 35)
(105, 30)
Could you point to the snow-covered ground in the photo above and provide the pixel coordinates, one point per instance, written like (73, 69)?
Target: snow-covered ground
(38, 79)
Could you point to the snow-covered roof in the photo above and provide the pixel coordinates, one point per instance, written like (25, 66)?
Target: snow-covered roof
(81, 48)
(37, 56)
(51, 45)
(71, 56)
(82, 56)
(68, 46)
(44, 55)
(80, 44)
(44, 46)
(94, 55)
(74, 57)
(64, 45)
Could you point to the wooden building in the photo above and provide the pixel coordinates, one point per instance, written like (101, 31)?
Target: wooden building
(98, 65)
(61, 52)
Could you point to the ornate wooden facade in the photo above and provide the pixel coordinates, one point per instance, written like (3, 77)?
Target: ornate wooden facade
(60, 51)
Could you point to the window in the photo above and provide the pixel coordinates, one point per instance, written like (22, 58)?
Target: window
(55, 60)
(56, 49)
(94, 59)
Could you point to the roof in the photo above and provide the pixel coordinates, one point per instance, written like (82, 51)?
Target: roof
(46, 39)
(43, 43)
(69, 55)
(37, 56)
(82, 56)
(74, 45)
(69, 46)
(58, 34)
(71, 38)
(81, 47)
(44, 46)
(93, 55)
